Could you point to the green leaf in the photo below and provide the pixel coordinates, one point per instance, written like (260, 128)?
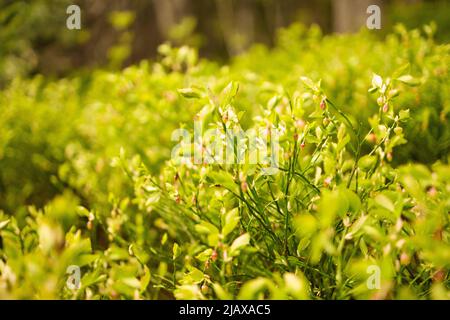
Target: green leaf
(175, 251)
(92, 278)
(342, 143)
(210, 230)
(221, 293)
(205, 227)
(193, 277)
(164, 238)
(145, 280)
(239, 243)
(356, 226)
(3, 224)
(229, 92)
(251, 288)
(307, 82)
(367, 162)
(409, 80)
(306, 225)
(332, 204)
(229, 221)
(373, 90)
(225, 180)
(398, 72)
(296, 285)
(191, 93)
(188, 292)
(204, 255)
(385, 202)
(404, 114)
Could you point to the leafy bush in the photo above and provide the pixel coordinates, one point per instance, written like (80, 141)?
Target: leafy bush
(90, 176)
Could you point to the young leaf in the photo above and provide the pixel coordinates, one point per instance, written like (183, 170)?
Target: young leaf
(4, 224)
(385, 202)
(229, 221)
(409, 80)
(224, 179)
(191, 93)
(175, 251)
(145, 280)
(377, 81)
(239, 243)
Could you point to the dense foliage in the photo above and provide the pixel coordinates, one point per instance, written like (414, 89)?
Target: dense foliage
(88, 175)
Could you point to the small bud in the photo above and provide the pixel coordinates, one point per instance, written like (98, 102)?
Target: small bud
(244, 186)
(300, 124)
(114, 295)
(214, 255)
(205, 288)
(346, 221)
(302, 145)
(322, 104)
(385, 108)
(380, 101)
(398, 130)
(372, 138)
(225, 117)
(279, 109)
(389, 156)
(432, 192)
(439, 276)
(404, 259)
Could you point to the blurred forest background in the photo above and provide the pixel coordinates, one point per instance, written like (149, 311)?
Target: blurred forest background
(116, 33)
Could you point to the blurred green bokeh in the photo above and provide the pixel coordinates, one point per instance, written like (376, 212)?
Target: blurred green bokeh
(34, 39)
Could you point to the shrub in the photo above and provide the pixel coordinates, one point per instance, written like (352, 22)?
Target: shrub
(90, 178)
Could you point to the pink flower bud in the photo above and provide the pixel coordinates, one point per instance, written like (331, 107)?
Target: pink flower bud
(244, 186)
(372, 138)
(322, 105)
(300, 124)
(389, 156)
(432, 192)
(404, 259)
(214, 255)
(380, 101)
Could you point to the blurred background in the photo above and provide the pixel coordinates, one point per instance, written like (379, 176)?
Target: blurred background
(116, 33)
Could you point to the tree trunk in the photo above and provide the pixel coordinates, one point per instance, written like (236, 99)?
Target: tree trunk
(351, 15)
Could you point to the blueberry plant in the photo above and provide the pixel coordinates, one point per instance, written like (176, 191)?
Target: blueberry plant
(356, 207)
